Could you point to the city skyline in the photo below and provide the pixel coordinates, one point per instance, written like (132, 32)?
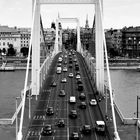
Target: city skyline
(117, 14)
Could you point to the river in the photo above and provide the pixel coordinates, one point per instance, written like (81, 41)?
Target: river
(11, 84)
(125, 83)
(126, 86)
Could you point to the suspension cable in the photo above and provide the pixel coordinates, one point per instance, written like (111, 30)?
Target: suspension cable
(109, 79)
(26, 78)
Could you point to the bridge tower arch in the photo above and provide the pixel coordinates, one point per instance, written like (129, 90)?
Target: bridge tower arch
(78, 29)
(35, 41)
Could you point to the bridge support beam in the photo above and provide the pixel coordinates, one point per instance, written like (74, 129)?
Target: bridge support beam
(78, 37)
(99, 50)
(56, 37)
(36, 50)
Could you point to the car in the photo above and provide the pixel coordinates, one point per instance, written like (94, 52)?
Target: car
(78, 73)
(80, 87)
(61, 123)
(47, 130)
(82, 105)
(74, 136)
(58, 70)
(75, 60)
(70, 75)
(93, 102)
(65, 69)
(60, 59)
(82, 96)
(59, 64)
(76, 64)
(77, 68)
(53, 84)
(70, 61)
(86, 129)
(78, 76)
(70, 65)
(49, 111)
(72, 99)
(79, 81)
(62, 93)
(64, 80)
(73, 114)
(65, 62)
(100, 126)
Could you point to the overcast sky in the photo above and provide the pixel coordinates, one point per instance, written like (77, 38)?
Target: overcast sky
(117, 13)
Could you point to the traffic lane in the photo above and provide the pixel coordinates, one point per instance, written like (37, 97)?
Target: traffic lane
(96, 111)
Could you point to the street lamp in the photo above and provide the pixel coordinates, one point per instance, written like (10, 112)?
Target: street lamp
(137, 116)
(17, 117)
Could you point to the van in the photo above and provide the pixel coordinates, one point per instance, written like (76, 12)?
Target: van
(72, 99)
(58, 70)
(100, 127)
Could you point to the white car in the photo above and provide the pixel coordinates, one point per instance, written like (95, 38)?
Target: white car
(100, 126)
(93, 102)
(70, 75)
(78, 76)
(65, 69)
(64, 80)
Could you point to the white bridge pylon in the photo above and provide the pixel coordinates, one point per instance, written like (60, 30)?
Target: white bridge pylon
(69, 20)
(35, 43)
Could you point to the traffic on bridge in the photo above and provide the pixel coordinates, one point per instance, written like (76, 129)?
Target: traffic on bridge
(68, 107)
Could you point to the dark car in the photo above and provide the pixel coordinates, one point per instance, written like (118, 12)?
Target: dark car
(61, 123)
(82, 96)
(79, 81)
(86, 129)
(70, 65)
(53, 84)
(47, 130)
(73, 114)
(74, 136)
(62, 93)
(83, 105)
(80, 87)
(77, 68)
(50, 111)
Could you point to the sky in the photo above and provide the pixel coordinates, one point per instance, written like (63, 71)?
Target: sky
(117, 13)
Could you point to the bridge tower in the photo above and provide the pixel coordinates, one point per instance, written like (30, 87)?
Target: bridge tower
(78, 29)
(35, 42)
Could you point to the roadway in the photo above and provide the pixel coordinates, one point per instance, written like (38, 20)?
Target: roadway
(50, 98)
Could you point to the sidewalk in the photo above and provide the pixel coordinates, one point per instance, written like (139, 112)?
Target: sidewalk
(126, 132)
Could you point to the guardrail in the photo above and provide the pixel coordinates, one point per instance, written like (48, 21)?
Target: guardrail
(127, 121)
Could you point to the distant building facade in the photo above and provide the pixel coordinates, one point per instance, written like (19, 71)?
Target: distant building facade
(114, 42)
(9, 36)
(131, 41)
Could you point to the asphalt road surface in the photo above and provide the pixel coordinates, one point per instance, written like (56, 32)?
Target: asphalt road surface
(50, 98)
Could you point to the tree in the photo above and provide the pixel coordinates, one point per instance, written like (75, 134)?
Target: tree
(11, 50)
(24, 51)
(4, 50)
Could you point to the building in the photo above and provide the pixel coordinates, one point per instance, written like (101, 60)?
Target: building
(9, 36)
(49, 37)
(86, 35)
(131, 41)
(114, 42)
(19, 38)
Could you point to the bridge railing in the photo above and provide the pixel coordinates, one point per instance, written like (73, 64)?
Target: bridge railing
(45, 67)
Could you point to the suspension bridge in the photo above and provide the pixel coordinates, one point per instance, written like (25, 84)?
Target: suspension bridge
(47, 84)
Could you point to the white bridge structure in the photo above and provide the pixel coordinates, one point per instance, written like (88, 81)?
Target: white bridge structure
(39, 73)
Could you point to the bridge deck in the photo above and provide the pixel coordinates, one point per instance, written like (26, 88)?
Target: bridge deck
(49, 97)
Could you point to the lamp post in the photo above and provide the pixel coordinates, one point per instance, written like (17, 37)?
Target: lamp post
(17, 117)
(137, 134)
(30, 101)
